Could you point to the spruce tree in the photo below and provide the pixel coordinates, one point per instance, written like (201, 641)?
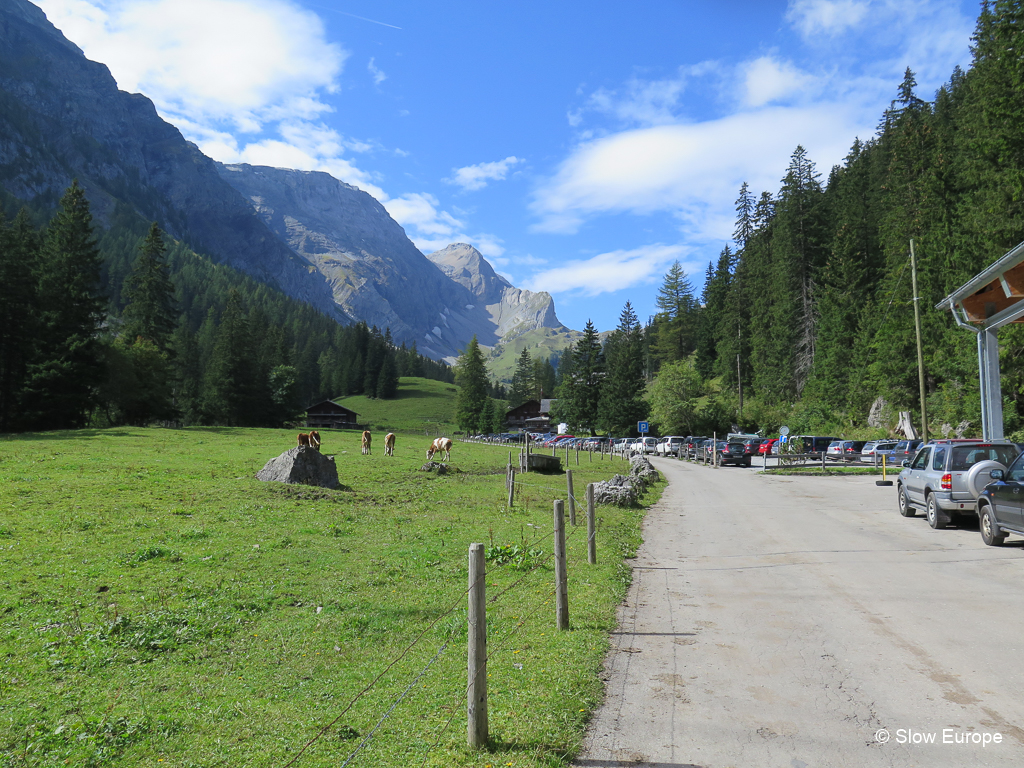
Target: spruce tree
(622, 402)
(675, 326)
(19, 249)
(150, 312)
(232, 386)
(523, 384)
(583, 373)
(68, 368)
(471, 377)
(387, 380)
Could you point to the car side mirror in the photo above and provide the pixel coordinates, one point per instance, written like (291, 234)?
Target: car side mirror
(906, 463)
(996, 474)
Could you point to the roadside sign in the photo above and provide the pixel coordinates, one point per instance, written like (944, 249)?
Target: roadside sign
(642, 427)
(783, 431)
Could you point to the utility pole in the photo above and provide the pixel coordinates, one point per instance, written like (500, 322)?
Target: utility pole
(920, 354)
(739, 372)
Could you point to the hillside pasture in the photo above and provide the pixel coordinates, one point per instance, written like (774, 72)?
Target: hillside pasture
(159, 606)
(422, 405)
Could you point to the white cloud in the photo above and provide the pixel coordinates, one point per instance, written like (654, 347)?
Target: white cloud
(243, 79)
(378, 76)
(766, 79)
(432, 229)
(692, 171)
(474, 177)
(230, 60)
(640, 102)
(609, 272)
(828, 17)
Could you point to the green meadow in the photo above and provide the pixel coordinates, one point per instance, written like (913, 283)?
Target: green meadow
(159, 606)
(422, 405)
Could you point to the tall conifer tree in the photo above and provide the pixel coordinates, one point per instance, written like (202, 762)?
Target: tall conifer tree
(68, 367)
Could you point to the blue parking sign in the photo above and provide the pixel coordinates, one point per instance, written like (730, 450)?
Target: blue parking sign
(642, 427)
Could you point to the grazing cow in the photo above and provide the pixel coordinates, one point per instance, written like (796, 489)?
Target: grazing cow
(303, 439)
(314, 439)
(389, 444)
(440, 444)
(367, 439)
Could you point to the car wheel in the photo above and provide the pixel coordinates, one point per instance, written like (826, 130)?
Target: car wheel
(935, 517)
(905, 508)
(987, 526)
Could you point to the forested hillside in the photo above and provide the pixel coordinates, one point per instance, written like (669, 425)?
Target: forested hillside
(810, 312)
(122, 326)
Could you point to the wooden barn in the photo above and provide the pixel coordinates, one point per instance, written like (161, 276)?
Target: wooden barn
(533, 414)
(329, 415)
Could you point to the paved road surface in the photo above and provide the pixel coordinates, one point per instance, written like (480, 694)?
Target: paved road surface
(784, 621)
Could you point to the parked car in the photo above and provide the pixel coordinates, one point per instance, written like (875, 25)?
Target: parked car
(905, 450)
(669, 446)
(946, 478)
(813, 443)
(732, 453)
(834, 452)
(767, 447)
(999, 505)
(693, 444)
(751, 445)
(644, 445)
(877, 447)
(852, 449)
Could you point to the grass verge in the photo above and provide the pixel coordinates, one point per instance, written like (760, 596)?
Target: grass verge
(159, 606)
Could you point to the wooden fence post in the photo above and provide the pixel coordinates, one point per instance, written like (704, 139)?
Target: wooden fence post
(476, 699)
(572, 498)
(591, 527)
(511, 485)
(561, 576)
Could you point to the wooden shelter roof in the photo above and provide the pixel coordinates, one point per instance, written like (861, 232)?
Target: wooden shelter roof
(992, 298)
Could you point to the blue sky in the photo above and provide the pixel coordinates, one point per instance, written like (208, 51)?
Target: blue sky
(581, 147)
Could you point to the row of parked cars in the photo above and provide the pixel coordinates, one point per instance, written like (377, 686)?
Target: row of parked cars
(953, 479)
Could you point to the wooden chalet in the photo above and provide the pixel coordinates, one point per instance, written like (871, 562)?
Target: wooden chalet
(533, 414)
(329, 415)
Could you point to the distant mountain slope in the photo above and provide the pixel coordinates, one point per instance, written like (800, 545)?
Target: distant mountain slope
(315, 238)
(512, 310)
(378, 275)
(62, 117)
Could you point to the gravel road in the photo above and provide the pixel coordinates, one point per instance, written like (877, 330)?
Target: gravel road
(801, 622)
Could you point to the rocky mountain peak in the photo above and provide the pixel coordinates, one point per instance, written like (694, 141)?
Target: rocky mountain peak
(466, 265)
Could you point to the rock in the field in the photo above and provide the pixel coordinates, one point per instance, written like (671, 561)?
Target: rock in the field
(618, 491)
(433, 466)
(642, 469)
(302, 465)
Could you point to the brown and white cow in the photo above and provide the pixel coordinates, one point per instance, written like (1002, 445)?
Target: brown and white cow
(440, 444)
(389, 444)
(367, 440)
(303, 440)
(314, 439)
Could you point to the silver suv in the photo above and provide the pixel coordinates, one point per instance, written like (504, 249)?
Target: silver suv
(946, 477)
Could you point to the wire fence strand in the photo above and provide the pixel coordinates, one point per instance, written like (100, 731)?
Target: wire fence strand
(377, 679)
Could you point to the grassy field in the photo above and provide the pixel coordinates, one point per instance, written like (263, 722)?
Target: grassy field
(422, 405)
(161, 607)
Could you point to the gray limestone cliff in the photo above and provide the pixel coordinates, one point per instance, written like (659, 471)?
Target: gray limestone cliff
(512, 310)
(375, 272)
(62, 117)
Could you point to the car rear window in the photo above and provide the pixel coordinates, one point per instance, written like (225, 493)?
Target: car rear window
(966, 456)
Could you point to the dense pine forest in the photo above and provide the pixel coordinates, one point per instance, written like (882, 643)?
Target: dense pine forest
(118, 326)
(807, 318)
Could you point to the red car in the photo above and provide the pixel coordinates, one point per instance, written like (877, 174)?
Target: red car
(766, 446)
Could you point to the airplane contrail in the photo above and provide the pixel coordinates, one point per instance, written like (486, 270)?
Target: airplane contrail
(361, 18)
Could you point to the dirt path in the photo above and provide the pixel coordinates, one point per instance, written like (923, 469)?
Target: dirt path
(781, 621)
